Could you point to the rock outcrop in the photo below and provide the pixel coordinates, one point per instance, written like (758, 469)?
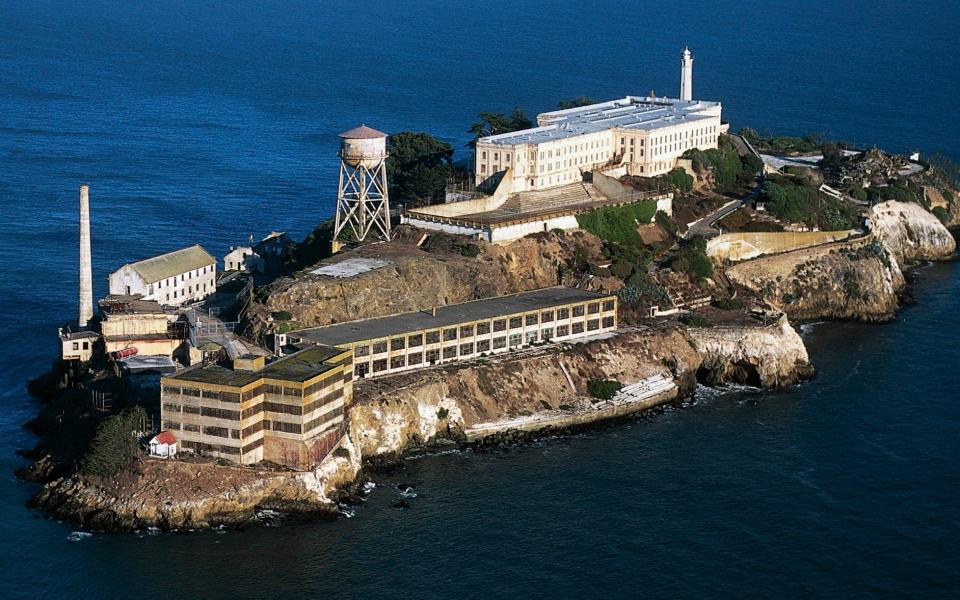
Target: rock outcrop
(175, 495)
(911, 233)
(859, 280)
(768, 357)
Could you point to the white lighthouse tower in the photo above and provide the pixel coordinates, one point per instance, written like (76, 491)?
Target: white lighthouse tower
(686, 75)
(362, 200)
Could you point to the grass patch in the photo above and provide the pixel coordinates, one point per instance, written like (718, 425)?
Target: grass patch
(618, 223)
(604, 389)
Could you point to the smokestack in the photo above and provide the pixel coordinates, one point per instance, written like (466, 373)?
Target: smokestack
(86, 270)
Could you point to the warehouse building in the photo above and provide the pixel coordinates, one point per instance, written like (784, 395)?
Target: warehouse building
(288, 412)
(453, 333)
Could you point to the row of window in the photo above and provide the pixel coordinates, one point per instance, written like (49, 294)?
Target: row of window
(467, 331)
(201, 448)
(514, 340)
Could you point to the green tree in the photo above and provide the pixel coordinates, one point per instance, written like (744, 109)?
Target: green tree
(492, 123)
(418, 167)
(116, 443)
(832, 159)
(575, 103)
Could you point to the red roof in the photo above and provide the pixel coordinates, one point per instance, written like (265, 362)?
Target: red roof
(164, 437)
(363, 133)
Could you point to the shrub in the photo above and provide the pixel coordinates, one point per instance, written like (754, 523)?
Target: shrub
(115, 445)
(341, 452)
(443, 413)
(693, 319)
(692, 258)
(604, 389)
(942, 214)
(281, 315)
(728, 303)
(618, 223)
(680, 179)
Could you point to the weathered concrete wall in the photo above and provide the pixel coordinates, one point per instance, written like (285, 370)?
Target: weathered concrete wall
(739, 246)
(466, 207)
(614, 189)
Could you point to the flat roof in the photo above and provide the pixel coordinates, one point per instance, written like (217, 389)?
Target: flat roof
(298, 367)
(477, 310)
(631, 112)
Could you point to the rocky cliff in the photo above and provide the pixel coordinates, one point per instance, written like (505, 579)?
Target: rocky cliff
(415, 279)
(862, 279)
(177, 495)
(910, 232)
(768, 357)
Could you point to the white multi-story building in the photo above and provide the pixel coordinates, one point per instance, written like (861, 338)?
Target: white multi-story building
(173, 279)
(645, 134)
(642, 133)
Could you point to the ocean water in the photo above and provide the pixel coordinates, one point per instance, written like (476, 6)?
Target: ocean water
(205, 122)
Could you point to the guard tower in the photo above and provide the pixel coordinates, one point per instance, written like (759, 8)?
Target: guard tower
(362, 200)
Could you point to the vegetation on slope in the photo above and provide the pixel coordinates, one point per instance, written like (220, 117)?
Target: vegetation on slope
(418, 168)
(729, 168)
(618, 223)
(790, 200)
(116, 443)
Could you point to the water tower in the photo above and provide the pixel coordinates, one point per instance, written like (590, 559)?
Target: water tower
(362, 200)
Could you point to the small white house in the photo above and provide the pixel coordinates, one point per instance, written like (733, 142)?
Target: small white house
(181, 277)
(243, 258)
(164, 445)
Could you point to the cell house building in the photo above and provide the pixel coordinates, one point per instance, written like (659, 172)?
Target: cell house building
(407, 341)
(288, 412)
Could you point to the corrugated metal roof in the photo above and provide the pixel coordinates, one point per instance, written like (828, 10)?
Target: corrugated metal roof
(173, 263)
(363, 133)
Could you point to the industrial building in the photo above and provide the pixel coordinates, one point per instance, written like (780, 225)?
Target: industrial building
(453, 333)
(181, 277)
(645, 134)
(132, 322)
(288, 412)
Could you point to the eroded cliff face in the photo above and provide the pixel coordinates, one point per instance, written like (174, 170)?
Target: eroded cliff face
(419, 406)
(175, 495)
(768, 357)
(910, 232)
(860, 280)
(418, 280)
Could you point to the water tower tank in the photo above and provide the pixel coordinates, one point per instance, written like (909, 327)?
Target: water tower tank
(363, 146)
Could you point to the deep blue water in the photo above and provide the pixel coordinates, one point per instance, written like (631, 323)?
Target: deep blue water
(202, 122)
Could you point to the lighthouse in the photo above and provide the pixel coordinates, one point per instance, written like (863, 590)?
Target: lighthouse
(686, 75)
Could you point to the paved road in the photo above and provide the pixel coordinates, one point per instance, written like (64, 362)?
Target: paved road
(705, 227)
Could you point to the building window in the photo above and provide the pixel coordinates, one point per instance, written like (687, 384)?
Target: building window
(433, 356)
(593, 324)
(546, 316)
(415, 340)
(547, 334)
(433, 337)
(398, 343)
(515, 339)
(361, 370)
(483, 155)
(483, 346)
(500, 325)
(577, 328)
(499, 342)
(466, 349)
(578, 310)
(379, 365)
(360, 351)
(607, 305)
(450, 334)
(397, 362)
(531, 320)
(563, 313)
(516, 322)
(563, 330)
(466, 331)
(450, 352)
(593, 308)
(76, 345)
(414, 359)
(483, 328)
(483, 168)
(607, 322)
(380, 347)
(531, 337)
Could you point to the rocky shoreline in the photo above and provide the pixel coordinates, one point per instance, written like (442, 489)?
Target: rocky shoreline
(544, 388)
